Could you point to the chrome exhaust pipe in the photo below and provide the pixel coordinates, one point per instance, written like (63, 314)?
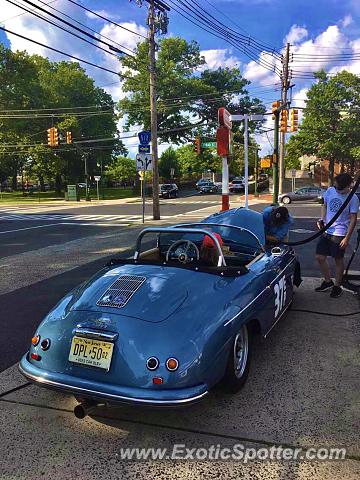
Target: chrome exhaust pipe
(85, 408)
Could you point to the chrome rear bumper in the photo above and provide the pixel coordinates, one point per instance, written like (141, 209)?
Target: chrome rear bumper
(134, 396)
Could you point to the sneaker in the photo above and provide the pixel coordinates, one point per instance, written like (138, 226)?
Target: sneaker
(324, 286)
(336, 292)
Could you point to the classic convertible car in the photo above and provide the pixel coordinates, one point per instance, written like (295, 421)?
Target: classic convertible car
(165, 326)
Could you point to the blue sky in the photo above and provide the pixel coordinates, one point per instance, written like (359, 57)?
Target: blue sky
(325, 26)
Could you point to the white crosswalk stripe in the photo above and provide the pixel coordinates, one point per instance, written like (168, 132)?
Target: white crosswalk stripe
(61, 217)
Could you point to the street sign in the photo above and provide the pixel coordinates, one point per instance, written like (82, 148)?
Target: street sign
(97, 178)
(144, 161)
(224, 118)
(144, 148)
(293, 173)
(208, 144)
(265, 162)
(144, 137)
(172, 172)
(223, 141)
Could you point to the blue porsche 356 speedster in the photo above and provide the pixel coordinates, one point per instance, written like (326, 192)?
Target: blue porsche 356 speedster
(165, 326)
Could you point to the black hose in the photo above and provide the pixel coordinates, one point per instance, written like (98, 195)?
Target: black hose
(334, 218)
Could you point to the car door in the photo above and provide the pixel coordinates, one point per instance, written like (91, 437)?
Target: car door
(274, 272)
(302, 194)
(314, 193)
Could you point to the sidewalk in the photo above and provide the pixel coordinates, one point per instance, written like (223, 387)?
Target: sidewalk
(303, 390)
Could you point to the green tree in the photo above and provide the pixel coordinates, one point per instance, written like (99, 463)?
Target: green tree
(123, 169)
(192, 164)
(33, 82)
(167, 162)
(183, 96)
(331, 124)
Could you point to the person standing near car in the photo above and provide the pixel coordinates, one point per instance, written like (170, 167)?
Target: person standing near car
(334, 241)
(277, 222)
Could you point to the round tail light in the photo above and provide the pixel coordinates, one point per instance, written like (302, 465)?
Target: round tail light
(35, 340)
(152, 363)
(172, 364)
(45, 344)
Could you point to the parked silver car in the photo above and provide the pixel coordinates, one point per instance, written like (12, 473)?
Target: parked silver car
(310, 193)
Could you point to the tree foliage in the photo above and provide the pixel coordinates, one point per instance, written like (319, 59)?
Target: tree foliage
(184, 96)
(331, 124)
(167, 162)
(122, 169)
(31, 82)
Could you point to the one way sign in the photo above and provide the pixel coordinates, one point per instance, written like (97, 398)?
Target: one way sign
(143, 161)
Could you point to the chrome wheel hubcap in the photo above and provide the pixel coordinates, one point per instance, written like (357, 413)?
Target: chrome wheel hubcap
(241, 351)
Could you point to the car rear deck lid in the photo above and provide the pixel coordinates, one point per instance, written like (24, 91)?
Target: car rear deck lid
(120, 291)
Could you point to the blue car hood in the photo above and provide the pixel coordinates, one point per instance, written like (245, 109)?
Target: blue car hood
(162, 293)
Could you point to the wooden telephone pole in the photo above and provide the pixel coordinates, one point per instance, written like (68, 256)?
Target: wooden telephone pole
(285, 87)
(153, 112)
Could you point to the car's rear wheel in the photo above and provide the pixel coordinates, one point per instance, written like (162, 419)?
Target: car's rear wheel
(286, 200)
(238, 364)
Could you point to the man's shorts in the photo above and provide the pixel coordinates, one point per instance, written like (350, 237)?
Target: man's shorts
(328, 245)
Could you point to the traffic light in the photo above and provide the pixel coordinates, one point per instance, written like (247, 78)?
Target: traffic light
(50, 137)
(197, 145)
(275, 107)
(283, 121)
(68, 138)
(294, 119)
(56, 137)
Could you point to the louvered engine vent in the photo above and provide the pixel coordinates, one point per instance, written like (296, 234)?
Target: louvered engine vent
(120, 292)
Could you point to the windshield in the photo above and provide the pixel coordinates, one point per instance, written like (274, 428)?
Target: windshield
(166, 187)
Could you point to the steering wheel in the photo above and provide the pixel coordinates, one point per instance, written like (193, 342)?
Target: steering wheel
(183, 250)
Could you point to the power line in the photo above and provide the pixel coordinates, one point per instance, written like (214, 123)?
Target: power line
(64, 53)
(60, 27)
(245, 47)
(85, 26)
(106, 19)
(74, 27)
(21, 14)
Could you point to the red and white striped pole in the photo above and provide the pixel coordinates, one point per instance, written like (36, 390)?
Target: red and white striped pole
(223, 139)
(225, 184)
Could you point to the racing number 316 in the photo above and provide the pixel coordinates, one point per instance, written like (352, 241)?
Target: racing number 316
(280, 295)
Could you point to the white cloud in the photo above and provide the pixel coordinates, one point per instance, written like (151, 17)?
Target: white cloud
(346, 21)
(219, 58)
(103, 13)
(330, 42)
(296, 34)
(255, 72)
(127, 40)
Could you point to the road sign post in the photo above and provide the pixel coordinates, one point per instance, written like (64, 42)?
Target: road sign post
(293, 177)
(246, 117)
(97, 179)
(142, 187)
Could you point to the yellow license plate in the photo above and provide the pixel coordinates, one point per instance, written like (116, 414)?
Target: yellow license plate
(91, 353)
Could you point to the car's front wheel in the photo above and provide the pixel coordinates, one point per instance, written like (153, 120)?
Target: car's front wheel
(238, 364)
(286, 200)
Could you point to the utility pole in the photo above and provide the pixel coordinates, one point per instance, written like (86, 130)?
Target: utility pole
(153, 112)
(256, 172)
(276, 158)
(285, 87)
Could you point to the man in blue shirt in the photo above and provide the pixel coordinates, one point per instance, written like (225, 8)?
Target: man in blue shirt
(277, 222)
(334, 241)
